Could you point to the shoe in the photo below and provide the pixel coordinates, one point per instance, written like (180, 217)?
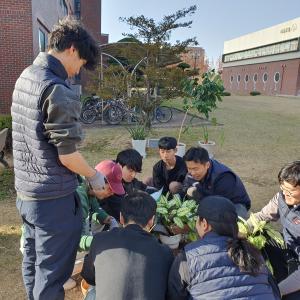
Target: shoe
(69, 284)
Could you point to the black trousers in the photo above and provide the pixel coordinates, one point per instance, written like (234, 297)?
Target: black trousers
(52, 230)
(284, 263)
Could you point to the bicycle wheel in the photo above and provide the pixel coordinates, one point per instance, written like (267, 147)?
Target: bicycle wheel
(113, 115)
(163, 114)
(88, 116)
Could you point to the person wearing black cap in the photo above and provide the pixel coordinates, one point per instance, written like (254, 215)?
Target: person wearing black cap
(220, 265)
(209, 177)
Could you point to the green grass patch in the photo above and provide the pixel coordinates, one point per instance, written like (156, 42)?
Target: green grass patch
(6, 183)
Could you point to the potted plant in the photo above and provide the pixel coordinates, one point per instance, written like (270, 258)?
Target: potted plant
(138, 135)
(202, 97)
(178, 217)
(205, 142)
(258, 233)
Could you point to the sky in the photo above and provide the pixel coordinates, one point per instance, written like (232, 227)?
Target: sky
(214, 22)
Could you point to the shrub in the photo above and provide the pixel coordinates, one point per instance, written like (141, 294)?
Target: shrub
(225, 93)
(5, 122)
(254, 93)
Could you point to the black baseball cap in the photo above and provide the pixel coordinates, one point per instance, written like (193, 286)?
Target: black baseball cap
(217, 209)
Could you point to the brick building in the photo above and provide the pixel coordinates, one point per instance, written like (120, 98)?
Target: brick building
(195, 57)
(267, 61)
(24, 29)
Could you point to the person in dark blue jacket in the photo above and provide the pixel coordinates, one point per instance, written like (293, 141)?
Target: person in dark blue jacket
(220, 265)
(208, 177)
(46, 133)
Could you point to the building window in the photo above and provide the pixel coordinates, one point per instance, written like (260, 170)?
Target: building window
(246, 78)
(239, 78)
(276, 77)
(278, 48)
(42, 41)
(231, 78)
(255, 77)
(265, 77)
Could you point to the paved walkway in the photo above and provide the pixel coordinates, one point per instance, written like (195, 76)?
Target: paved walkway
(178, 115)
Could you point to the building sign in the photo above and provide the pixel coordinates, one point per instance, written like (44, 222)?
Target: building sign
(291, 28)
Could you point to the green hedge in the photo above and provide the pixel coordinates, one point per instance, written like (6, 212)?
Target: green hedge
(225, 93)
(5, 122)
(254, 93)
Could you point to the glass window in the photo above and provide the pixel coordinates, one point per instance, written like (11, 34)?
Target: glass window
(282, 47)
(265, 77)
(239, 78)
(42, 41)
(255, 77)
(231, 78)
(246, 78)
(276, 77)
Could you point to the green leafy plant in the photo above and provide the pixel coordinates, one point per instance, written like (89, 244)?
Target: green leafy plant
(138, 132)
(202, 97)
(258, 232)
(254, 93)
(179, 213)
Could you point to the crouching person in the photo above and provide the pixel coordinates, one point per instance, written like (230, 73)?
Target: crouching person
(129, 263)
(285, 206)
(219, 265)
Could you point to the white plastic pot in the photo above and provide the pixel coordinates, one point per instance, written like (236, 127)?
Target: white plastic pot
(140, 146)
(172, 241)
(210, 147)
(181, 149)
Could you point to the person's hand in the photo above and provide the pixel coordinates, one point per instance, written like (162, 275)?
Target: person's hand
(107, 220)
(97, 182)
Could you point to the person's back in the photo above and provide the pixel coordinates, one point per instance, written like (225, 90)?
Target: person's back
(213, 274)
(220, 265)
(129, 263)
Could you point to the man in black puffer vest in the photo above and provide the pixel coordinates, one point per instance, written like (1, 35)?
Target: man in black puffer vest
(45, 117)
(208, 177)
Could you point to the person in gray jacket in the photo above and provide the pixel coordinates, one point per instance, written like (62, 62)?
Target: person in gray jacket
(285, 206)
(46, 129)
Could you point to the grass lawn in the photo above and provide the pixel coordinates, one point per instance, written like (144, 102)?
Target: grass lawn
(259, 135)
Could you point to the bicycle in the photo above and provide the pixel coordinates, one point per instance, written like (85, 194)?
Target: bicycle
(162, 114)
(94, 108)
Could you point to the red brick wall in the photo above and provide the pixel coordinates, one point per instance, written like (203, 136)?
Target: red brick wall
(15, 46)
(91, 17)
(288, 83)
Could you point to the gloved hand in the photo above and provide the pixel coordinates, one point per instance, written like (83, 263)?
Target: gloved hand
(97, 182)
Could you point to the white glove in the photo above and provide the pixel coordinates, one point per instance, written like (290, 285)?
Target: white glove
(97, 182)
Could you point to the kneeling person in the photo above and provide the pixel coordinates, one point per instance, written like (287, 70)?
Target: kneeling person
(220, 265)
(170, 171)
(209, 177)
(129, 263)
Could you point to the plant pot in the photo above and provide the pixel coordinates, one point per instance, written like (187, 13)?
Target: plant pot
(209, 146)
(172, 241)
(140, 146)
(180, 149)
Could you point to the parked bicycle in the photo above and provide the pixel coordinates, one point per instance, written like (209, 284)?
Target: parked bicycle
(94, 108)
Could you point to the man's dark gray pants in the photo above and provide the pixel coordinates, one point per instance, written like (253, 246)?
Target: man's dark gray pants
(52, 230)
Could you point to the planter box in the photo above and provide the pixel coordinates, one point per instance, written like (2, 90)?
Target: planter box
(180, 149)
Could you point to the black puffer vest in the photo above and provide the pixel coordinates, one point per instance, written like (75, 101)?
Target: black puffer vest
(38, 171)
